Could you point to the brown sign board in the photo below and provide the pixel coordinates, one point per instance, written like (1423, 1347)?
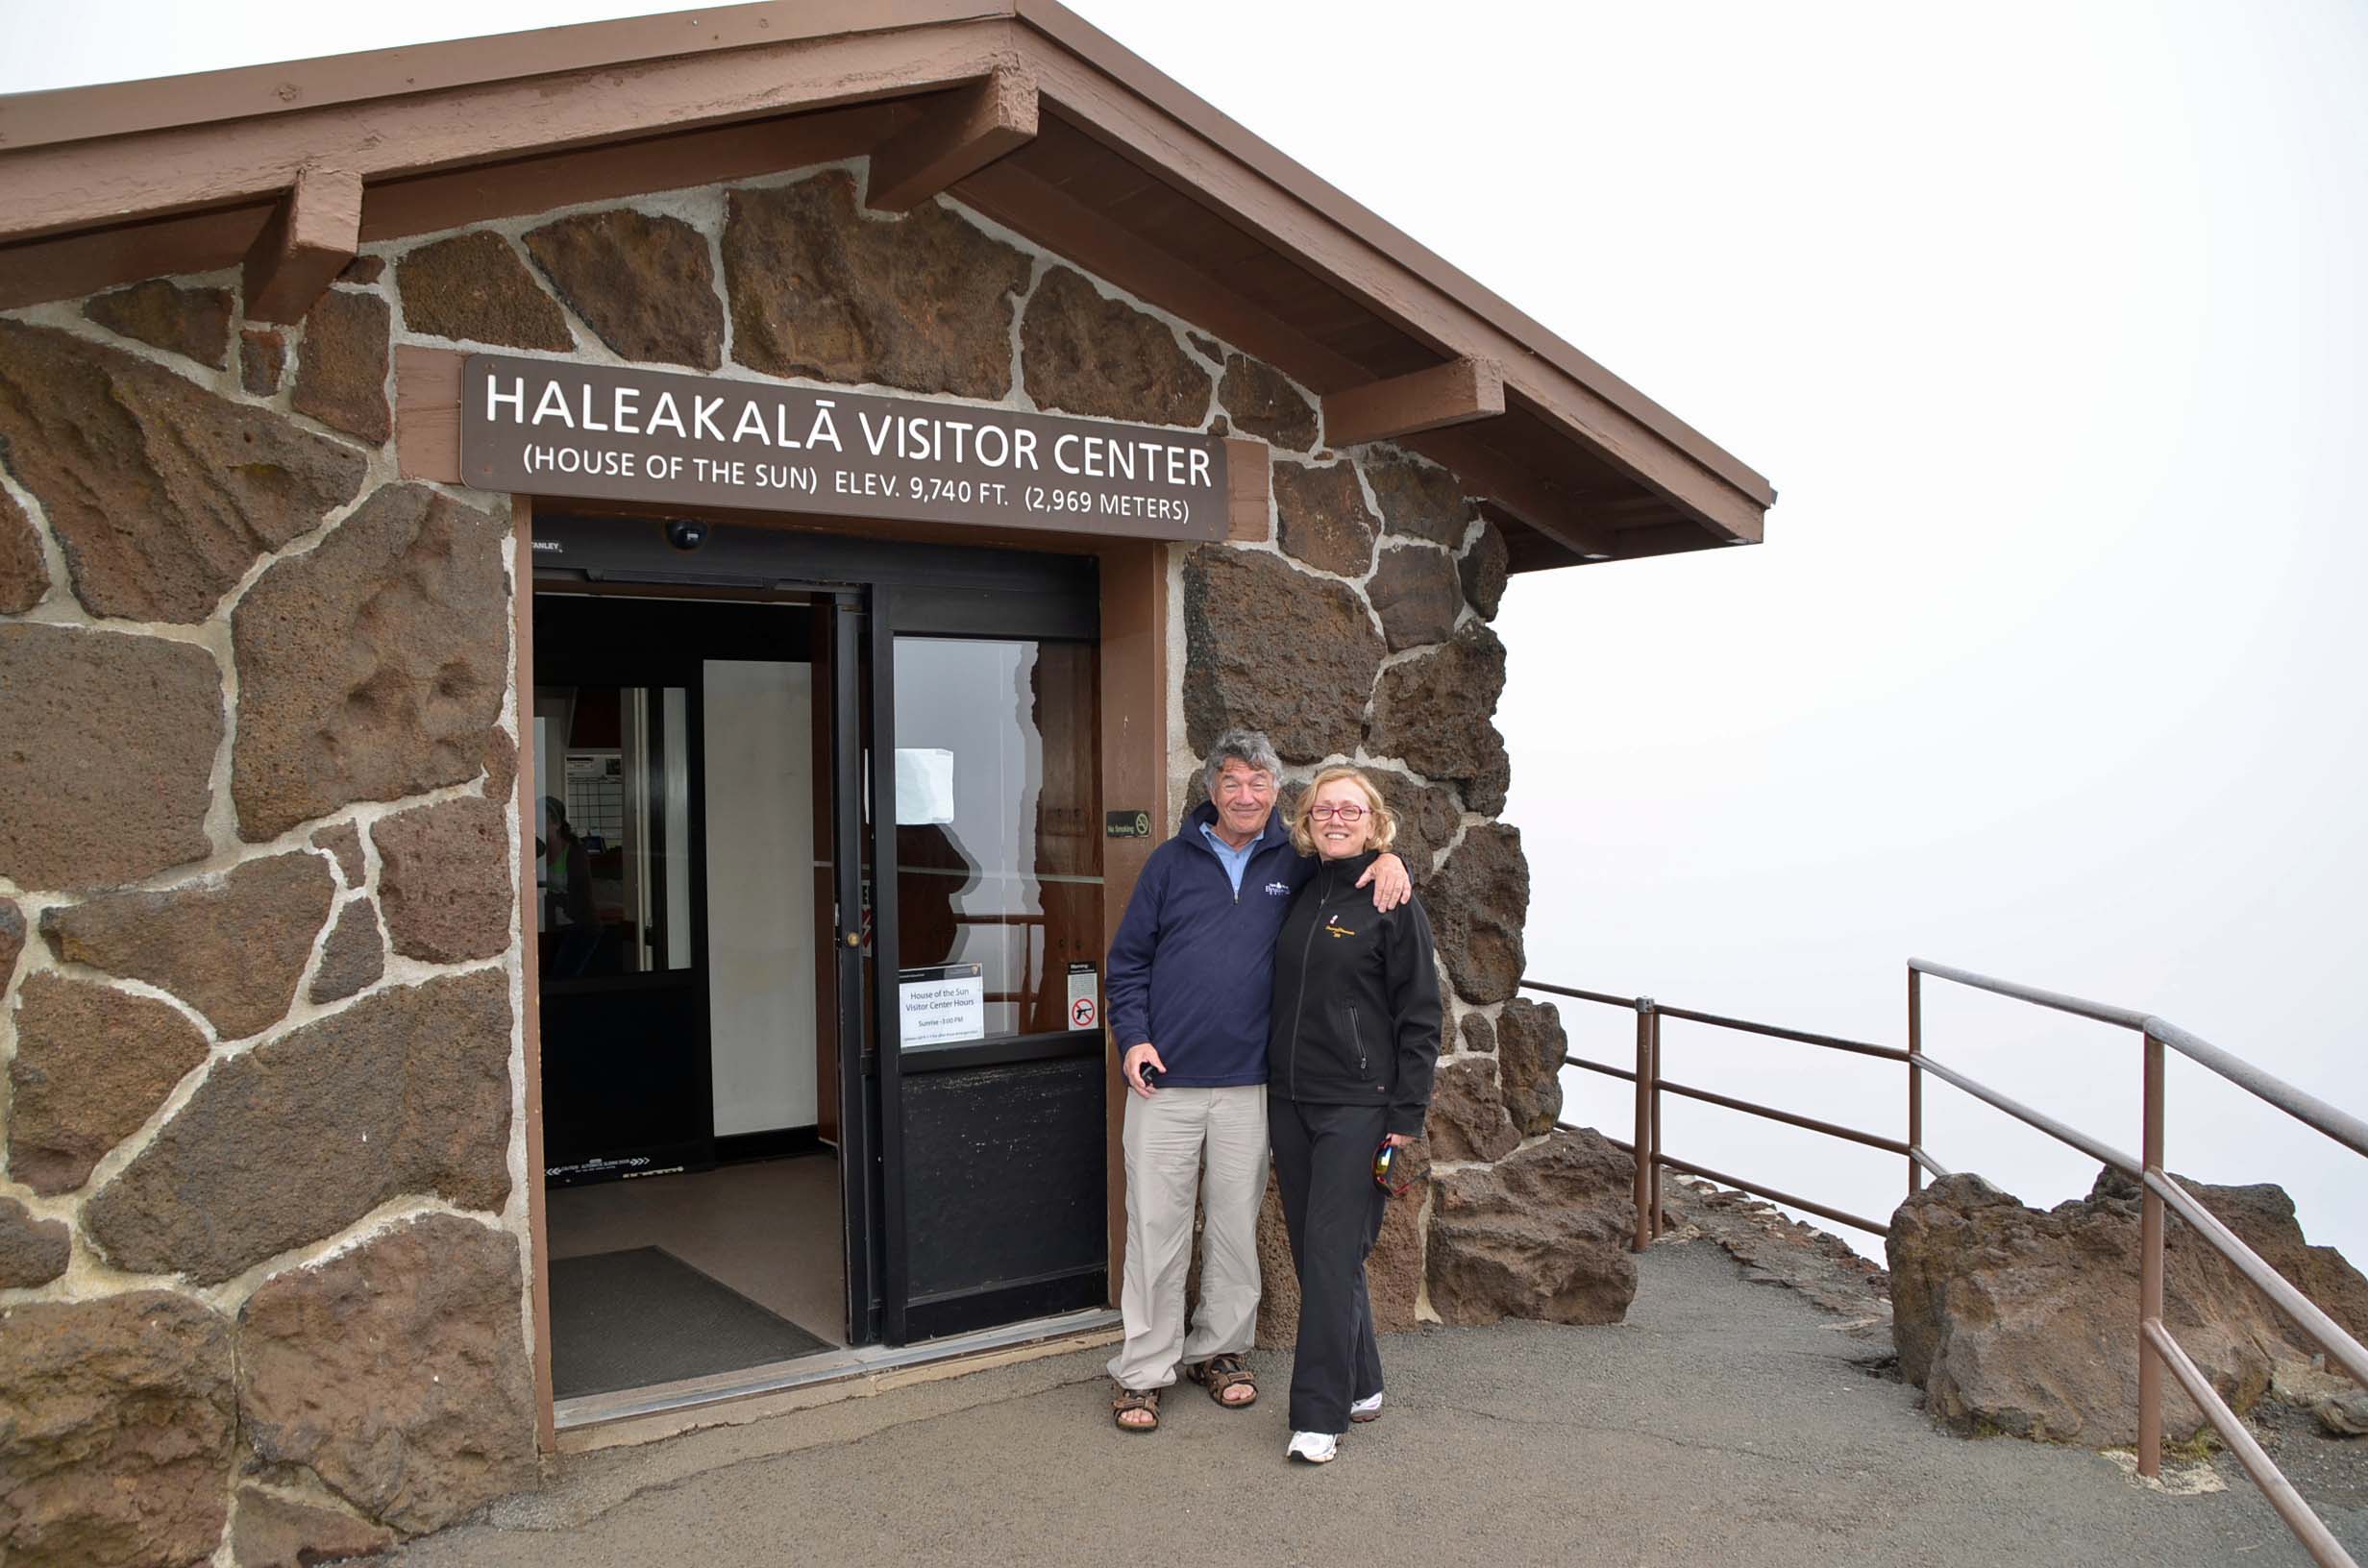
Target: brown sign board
(608, 432)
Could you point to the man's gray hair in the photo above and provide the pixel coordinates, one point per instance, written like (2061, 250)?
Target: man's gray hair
(1249, 747)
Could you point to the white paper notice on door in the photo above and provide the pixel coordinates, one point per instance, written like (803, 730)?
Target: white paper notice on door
(925, 786)
(941, 1004)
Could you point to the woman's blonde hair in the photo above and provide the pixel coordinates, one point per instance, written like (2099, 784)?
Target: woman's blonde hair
(1302, 827)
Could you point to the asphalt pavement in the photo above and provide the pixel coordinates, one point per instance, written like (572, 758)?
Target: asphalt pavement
(1727, 1422)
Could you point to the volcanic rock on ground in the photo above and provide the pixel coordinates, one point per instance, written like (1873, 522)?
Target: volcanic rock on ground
(2021, 1322)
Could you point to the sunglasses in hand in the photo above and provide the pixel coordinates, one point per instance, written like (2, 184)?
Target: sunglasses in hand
(1385, 1167)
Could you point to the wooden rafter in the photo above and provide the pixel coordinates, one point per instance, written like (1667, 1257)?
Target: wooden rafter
(1455, 393)
(312, 233)
(979, 124)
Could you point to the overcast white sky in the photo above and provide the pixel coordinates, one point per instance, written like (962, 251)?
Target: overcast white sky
(2046, 321)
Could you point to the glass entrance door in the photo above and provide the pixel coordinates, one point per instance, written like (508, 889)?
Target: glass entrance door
(992, 821)
(957, 895)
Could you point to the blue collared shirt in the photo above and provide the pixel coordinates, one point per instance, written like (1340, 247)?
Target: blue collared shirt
(1236, 861)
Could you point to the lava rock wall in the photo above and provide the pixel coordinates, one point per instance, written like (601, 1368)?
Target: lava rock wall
(264, 1216)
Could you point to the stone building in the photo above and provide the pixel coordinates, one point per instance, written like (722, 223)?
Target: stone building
(499, 541)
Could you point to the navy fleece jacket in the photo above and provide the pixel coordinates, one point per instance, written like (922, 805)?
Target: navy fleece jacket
(1192, 969)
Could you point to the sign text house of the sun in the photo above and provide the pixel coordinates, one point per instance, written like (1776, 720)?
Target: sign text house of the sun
(555, 427)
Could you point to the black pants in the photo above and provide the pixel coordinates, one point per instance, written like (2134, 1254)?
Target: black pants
(1323, 1167)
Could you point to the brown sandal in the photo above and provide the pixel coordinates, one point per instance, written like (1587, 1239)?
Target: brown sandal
(1223, 1372)
(1124, 1400)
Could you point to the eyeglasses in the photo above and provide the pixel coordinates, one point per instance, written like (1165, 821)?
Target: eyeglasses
(1385, 1165)
(1348, 811)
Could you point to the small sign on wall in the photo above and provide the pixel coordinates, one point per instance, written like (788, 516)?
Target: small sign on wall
(941, 1004)
(1084, 996)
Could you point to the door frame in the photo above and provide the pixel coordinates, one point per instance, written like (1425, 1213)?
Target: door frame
(1136, 579)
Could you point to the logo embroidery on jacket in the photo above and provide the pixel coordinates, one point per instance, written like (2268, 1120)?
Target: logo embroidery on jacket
(1332, 927)
(1280, 890)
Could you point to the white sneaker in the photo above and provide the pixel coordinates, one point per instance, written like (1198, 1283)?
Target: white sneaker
(1365, 1410)
(1315, 1447)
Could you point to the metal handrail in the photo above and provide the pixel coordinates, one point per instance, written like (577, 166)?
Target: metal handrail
(2158, 1352)
(2306, 1108)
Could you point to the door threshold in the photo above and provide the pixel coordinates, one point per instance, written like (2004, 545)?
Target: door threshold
(825, 1377)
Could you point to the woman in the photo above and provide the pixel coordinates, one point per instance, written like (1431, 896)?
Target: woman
(1349, 1058)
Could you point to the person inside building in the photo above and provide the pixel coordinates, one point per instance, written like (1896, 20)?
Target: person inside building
(1351, 1048)
(570, 928)
(1190, 979)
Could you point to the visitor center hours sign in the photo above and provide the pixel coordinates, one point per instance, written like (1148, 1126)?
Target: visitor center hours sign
(553, 428)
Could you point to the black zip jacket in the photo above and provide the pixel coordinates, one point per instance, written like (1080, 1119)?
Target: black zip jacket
(1356, 1000)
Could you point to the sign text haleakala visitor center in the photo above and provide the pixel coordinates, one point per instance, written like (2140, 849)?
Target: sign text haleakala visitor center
(544, 426)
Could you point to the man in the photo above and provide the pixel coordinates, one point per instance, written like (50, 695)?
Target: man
(1191, 977)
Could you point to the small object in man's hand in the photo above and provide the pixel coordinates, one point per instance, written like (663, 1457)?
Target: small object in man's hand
(1385, 1165)
(1149, 1075)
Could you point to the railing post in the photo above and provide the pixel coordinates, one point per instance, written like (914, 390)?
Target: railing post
(2150, 1275)
(1644, 1124)
(1915, 1077)
(1653, 1207)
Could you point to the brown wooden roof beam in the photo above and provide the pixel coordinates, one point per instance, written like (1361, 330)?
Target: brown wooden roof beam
(312, 233)
(1522, 493)
(1084, 235)
(56, 188)
(976, 126)
(1455, 393)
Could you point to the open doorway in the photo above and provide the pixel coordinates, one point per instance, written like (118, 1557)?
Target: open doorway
(685, 914)
(798, 1117)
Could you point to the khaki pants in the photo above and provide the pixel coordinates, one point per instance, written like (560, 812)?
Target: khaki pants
(1168, 1139)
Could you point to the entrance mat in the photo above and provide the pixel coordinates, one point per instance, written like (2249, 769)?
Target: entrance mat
(628, 1319)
